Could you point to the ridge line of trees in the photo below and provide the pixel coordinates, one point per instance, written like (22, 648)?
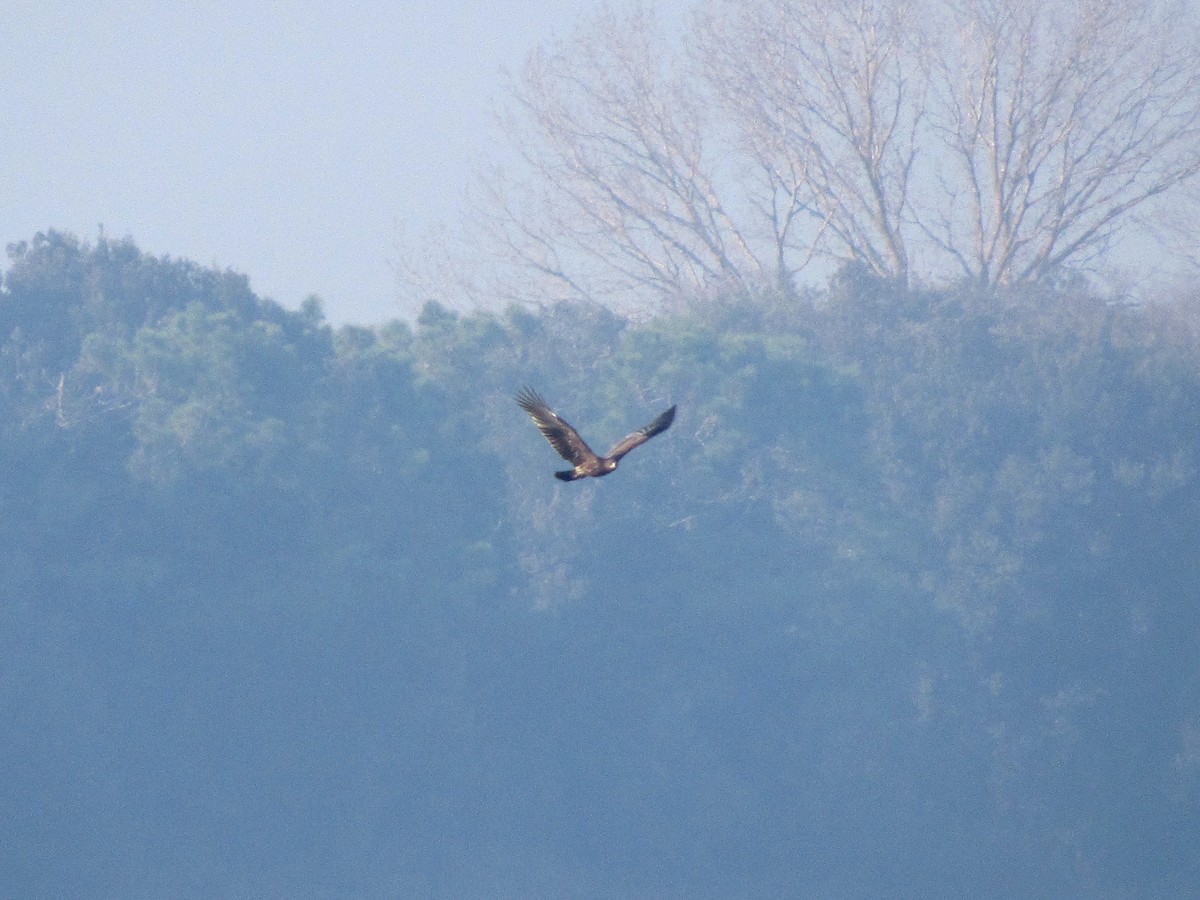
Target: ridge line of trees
(289, 609)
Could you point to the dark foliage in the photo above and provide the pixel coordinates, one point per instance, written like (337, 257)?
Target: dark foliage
(904, 605)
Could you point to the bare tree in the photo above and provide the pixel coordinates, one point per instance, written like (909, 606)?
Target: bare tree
(998, 140)
(1059, 120)
(616, 192)
(827, 97)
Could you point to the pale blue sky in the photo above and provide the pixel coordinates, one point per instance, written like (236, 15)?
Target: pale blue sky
(286, 140)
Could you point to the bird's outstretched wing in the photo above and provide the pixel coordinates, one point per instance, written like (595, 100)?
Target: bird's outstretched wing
(562, 437)
(639, 437)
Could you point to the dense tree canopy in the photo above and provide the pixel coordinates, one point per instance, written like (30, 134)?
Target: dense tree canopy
(904, 604)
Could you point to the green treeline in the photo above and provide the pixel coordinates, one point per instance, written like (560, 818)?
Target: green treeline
(906, 602)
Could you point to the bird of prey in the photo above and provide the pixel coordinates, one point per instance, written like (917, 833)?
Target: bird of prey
(570, 445)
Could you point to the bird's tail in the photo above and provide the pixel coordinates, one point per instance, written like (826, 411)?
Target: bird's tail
(568, 475)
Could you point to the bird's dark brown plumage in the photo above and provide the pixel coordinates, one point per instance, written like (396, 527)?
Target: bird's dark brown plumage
(571, 447)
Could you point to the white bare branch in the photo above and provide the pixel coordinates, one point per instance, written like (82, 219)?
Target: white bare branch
(618, 171)
(828, 97)
(1062, 118)
(998, 140)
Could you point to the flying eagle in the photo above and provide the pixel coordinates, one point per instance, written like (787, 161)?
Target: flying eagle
(570, 445)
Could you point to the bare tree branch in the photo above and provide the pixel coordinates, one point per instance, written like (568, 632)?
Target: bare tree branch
(998, 140)
(1062, 118)
(615, 150)
(828, 98)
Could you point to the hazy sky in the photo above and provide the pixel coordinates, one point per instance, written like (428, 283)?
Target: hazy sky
(286, 140)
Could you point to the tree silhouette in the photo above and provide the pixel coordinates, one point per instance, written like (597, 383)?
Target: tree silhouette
(996, 140)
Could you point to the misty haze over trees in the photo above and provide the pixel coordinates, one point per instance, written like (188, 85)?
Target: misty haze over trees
(903, 605)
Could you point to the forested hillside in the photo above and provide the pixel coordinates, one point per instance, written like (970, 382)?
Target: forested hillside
(906, 603)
